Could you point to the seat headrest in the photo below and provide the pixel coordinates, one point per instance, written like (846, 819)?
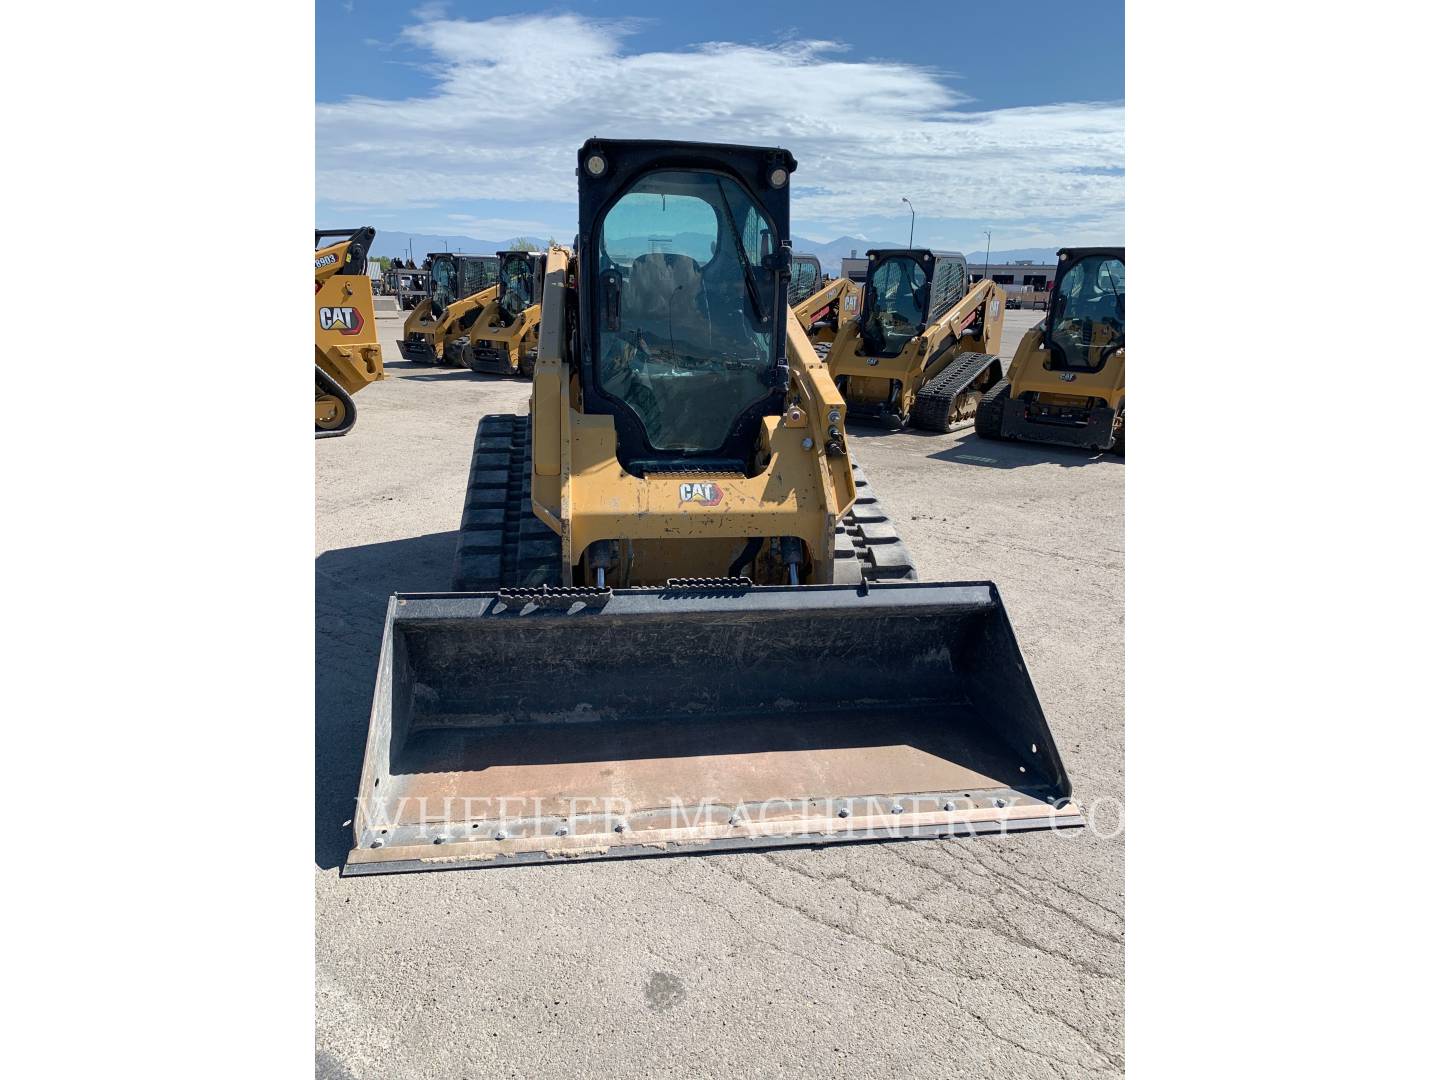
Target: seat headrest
(662, 268)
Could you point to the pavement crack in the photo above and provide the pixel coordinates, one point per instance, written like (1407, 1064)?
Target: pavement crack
(908, 959)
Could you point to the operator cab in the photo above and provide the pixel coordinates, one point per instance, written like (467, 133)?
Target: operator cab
(683, 261)
(444, 281)
(521, 280)
(1086, 324)
(806, 278)
(905, 289)
(477, 273)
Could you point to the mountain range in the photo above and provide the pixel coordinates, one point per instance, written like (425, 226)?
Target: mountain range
(400, 244)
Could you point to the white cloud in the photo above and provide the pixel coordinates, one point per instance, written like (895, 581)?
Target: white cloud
(516, 96)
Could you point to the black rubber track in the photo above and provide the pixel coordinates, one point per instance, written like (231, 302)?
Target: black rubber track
(936, 399)
(502, 543)
(867, 544)
(330, 386)
(992, 410)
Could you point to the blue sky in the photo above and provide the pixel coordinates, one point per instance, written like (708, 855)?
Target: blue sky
(465, 117)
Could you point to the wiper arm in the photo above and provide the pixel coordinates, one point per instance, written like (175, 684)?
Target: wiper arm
(752, 287)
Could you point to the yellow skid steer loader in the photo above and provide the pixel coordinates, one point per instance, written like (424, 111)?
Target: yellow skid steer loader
(681, 621)
(924, 348)
(347, 349)
(1066, 384)
(504, 338)
(459, 288)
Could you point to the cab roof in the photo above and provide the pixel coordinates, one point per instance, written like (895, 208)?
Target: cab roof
(934, 253)
(1081, 252)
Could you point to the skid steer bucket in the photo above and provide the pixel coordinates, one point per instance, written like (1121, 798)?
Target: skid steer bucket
(580, 723)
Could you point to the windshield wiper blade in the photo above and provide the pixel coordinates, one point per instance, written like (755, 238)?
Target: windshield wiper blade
(752, 287)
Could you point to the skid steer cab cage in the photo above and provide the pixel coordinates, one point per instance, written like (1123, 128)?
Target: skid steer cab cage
(578, 723)
(1064, 353)
(686, 304)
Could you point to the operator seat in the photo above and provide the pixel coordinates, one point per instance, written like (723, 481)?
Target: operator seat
(665, 300)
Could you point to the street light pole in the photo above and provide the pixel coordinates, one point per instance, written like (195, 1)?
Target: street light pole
(908, 203)
(987, 254)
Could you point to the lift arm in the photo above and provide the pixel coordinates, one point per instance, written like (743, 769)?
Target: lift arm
(972, 316)
(832, 305)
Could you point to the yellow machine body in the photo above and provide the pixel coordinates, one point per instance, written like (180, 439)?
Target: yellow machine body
(347, 349)
(1066, 384)
(692, 524)
(930, 364)
(509, 345)
(430, 339)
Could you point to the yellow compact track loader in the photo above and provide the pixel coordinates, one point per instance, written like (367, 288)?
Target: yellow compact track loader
(347, 350)
(1066, 384)
(681, 621)
(460, 286)
(823, 311)
(504, 338)
(924, 349)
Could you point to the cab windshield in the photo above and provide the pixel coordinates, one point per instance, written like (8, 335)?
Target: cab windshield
(894, 305)
(685, 334)
(442, 282)
(1089, 310)
(516, 283)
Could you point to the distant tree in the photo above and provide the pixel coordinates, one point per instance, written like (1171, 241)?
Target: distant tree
(521, 244)
(385, 262)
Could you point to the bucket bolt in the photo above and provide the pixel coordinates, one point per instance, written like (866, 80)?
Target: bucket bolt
(600, 557)
(792, 554)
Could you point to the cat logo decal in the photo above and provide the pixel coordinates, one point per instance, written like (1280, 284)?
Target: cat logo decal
(347, 320)
(701, 494)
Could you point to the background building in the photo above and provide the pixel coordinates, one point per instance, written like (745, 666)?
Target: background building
(854, 266)
(1026, 284)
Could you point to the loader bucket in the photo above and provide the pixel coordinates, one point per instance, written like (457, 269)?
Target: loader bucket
(543, 725)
